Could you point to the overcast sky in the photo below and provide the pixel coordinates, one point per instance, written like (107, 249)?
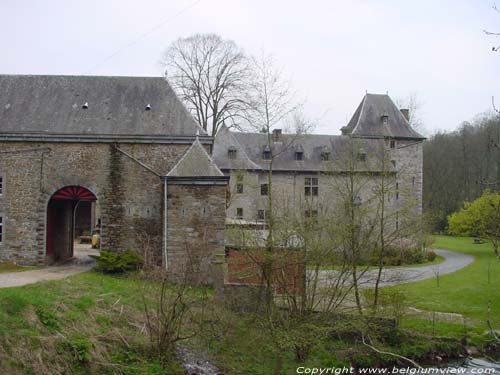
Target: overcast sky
(334, 51)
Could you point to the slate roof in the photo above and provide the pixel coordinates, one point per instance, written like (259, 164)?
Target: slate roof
(367, 120)
(38, 105)
(250, 146)
(195, 163)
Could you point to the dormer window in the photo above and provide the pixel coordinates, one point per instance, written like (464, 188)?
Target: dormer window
(325, 154)
(299, 153)
(384, 118)
(232, 152)
(392, 143)
(266, 153)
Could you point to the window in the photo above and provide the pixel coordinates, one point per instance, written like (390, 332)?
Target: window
(362, 156)
(239, 213)
(264, 189)
(239, 184)
(239, 188)
(261, 215)
(325, 155)
(393, 144)
(1, 229)
(397, 191)
(311, 186)
(266, 154)
(413, 181)
(1, 186)
(397, 220)
(393, 162)
(311, 213)
(299, 155)
(231, 153)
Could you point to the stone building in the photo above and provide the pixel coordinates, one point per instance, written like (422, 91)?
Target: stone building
(309, 171)
(120, 154)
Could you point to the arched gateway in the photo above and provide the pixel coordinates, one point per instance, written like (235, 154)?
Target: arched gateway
(69, 209)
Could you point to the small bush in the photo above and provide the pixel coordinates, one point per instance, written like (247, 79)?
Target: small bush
(111, 262)
(430, 255)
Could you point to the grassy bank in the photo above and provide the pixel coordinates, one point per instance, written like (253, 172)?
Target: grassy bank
(466, 292)
(95, 324)
(88, 324)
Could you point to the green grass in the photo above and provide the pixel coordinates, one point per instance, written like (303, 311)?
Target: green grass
(467, 291)
(11, 267)
(82, 324)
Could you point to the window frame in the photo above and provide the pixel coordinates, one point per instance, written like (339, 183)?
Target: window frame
(2, 184)
(262, 219)
(299, 155)
(264, 189)
(311, 186)
(232, 153)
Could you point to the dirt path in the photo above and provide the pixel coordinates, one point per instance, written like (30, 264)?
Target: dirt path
(81, 263)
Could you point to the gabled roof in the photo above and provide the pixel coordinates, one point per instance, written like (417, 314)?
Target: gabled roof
(46, 106)
(367, 121)
(195, 162)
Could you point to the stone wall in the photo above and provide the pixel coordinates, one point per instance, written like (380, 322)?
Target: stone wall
(404, 184)
(130, 197)
(196, 224)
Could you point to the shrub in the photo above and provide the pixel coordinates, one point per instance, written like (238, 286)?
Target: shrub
(430, 255)
(111, 262)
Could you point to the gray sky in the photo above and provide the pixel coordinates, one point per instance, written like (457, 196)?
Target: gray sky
(333, 50)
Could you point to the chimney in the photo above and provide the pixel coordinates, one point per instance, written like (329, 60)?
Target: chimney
(406, 113)
(276, 135)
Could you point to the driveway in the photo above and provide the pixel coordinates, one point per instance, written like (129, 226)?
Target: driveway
(80, 263)
(392, 276)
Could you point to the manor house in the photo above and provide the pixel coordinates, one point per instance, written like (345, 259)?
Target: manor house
(310, 172)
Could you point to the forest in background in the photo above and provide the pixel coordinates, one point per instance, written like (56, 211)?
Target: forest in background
(459, 166)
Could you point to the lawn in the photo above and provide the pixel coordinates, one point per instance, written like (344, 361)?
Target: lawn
(467, 291)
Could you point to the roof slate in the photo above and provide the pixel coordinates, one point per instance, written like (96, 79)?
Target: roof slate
(195, 163)
(53, 105)
(367, 120)
(250, 147)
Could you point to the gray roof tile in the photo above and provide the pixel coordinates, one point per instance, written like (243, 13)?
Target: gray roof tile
(31, 104)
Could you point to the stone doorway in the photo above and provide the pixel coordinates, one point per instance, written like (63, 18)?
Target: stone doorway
(70, 216)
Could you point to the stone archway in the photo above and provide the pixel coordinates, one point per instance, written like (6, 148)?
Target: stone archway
(60, 227)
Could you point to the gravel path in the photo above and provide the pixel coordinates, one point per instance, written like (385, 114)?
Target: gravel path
(81, 263)
(454, 261)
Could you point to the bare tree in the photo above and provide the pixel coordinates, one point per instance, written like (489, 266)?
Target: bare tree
(210, 75)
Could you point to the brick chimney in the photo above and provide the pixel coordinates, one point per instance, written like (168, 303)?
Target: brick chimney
(406, 113)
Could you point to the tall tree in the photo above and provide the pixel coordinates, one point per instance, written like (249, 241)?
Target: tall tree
(211, 76)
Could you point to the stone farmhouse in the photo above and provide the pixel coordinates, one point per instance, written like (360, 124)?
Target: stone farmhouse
(116, 154)
(308, 171)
